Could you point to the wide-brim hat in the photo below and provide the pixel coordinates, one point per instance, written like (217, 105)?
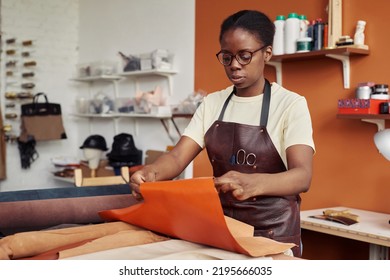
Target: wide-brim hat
(123, 148)
(95, 142)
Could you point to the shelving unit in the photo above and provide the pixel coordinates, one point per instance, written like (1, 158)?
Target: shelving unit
(102, 78)
(166, 73)
(342, 54)
(379, 119)
(144, 73)
(108, 78)
(125, 75)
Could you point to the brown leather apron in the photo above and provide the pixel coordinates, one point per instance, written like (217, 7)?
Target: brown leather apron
(249, 149)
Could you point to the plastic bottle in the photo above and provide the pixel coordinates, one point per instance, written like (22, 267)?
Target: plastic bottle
(326, 35)
(291, 33)
(310, 29)
(318, 35)
(303, 25)
(278, 44)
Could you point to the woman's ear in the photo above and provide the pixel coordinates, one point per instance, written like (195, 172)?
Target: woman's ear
(268, 54)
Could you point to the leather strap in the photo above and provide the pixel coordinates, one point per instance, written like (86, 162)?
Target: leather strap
(264, 107)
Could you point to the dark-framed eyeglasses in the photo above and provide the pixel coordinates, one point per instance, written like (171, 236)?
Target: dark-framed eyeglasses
(243, 57)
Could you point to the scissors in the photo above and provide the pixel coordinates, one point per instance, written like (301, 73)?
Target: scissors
(243, 158)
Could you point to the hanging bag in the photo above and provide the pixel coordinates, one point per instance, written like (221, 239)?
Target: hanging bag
(41, 121)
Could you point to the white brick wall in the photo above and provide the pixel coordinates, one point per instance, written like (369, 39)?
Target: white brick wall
(69, 31)
(53, 27)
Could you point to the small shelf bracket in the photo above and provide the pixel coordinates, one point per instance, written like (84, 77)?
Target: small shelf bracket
(380, 123)
(346, 67)
(278, 68)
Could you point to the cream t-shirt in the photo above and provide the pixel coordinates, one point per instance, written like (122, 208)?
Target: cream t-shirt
(289, 121)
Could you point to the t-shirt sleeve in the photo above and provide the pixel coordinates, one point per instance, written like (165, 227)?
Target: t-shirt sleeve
(196, 129)
(298, 127)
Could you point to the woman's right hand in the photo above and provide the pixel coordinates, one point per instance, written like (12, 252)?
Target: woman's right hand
(146, 174)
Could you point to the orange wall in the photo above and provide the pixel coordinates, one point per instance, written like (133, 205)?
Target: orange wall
(348, 170)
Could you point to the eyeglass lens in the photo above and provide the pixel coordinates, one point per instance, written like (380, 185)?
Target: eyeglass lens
(243, 57)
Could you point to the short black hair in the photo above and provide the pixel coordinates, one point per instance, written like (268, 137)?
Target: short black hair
(255, 22)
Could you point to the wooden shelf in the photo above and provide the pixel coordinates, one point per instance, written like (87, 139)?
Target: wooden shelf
(122, 115)
(341, 54)
(378, 119)
(157, 72)
(98, 78)
(345, 51)
(148, 73)
(364, 116)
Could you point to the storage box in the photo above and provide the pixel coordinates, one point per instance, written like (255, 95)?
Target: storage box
(146, 61)
(359, 106)
(102, 68)
(124, 105)
(162, 59)
(97, 68)
(161, 111)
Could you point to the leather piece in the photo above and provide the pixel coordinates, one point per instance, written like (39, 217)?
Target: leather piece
(16, 216)
(172, 249)
(120, 239)
(26, 244)
(190, 209)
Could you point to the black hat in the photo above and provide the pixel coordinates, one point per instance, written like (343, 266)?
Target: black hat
(95, 142)
(123, 148)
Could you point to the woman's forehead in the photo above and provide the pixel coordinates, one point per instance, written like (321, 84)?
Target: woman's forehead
(239, 37)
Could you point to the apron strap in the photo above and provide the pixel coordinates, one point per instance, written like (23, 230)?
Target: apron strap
(264, 107)
(266, 103)
(226, 103)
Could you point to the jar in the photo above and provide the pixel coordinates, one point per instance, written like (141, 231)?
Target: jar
(381, 89)
(384, 108)
(363, 92)
(304, 44)
(381, 92)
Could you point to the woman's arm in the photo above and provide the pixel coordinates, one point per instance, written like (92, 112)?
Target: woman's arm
(168, 165)
(295, 180)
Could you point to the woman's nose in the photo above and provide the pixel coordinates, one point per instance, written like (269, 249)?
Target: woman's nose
(235, 64)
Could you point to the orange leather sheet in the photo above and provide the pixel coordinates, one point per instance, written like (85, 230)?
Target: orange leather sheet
(190, 209)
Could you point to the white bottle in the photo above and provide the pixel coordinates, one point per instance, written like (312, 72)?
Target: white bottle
(303, 25)
(278, 45)
(291, 33)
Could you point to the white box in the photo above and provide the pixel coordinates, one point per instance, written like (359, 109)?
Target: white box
(146, 61)
(161, 111)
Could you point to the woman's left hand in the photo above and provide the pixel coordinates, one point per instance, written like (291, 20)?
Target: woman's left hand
(241, 185)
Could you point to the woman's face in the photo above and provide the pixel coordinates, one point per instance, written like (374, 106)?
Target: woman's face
(248, 79)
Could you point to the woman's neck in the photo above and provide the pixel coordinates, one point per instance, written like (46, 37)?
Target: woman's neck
(254, 90)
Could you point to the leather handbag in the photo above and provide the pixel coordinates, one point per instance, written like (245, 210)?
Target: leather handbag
(41, 121)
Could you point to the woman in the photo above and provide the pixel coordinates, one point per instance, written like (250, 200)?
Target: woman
(258, 137)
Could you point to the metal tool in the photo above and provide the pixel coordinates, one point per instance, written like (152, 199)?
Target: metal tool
(243, 158)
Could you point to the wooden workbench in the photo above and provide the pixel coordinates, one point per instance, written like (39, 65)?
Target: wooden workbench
(373, 228)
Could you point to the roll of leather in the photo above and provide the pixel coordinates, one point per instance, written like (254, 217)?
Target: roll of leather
(121, 239)
(29, 215)
(26, 244)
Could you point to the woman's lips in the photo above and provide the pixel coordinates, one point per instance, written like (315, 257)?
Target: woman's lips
(236, 79)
